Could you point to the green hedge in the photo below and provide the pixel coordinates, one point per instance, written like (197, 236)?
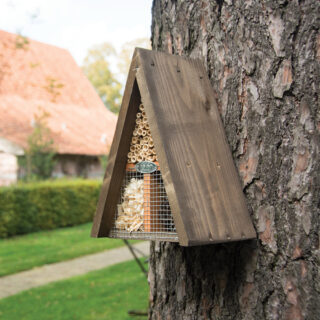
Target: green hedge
(46, 205)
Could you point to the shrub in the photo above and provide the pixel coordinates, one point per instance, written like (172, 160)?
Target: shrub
(38, 161)
(46, 205)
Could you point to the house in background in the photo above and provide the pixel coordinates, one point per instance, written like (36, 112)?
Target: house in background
(35, 76)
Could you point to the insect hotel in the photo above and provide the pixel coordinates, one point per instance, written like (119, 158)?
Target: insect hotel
(170, 174)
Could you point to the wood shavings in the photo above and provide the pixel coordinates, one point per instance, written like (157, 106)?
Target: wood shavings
(131, 210)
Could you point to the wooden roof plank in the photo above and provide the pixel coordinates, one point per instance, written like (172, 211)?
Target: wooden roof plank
(198, 168)
(110, 191)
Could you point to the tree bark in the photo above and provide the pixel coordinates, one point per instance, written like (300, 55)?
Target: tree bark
(262, 58)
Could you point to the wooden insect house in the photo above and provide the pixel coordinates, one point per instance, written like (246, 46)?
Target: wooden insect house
(170, 173)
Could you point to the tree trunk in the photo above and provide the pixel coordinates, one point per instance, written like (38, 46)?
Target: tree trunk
(262, 58)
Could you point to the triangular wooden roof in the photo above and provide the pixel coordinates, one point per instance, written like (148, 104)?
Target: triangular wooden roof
(200, 178)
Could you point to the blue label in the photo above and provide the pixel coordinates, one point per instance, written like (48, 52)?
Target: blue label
(146, 167)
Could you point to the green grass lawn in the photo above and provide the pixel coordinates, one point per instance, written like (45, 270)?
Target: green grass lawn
(39, 248)
(104, 294)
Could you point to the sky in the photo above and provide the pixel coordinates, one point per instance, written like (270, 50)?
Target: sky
(77, 25)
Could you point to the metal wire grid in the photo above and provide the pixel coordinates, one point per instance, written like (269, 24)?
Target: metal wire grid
(158, 222)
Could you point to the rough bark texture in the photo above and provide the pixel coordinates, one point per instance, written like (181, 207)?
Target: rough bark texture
(263, 60)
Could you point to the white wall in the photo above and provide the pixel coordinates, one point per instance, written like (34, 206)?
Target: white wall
(7, 146)
(8, 169)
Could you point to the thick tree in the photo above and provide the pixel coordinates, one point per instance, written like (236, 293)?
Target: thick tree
(262, 58)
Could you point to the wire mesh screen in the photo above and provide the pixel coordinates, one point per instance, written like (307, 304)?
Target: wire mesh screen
(143, 210)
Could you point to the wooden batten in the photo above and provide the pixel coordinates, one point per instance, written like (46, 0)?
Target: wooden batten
(200, 178)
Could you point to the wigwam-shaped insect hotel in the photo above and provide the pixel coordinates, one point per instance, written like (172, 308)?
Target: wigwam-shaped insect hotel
(170, 174)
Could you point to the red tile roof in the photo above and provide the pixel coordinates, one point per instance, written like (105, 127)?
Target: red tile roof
(43, 76)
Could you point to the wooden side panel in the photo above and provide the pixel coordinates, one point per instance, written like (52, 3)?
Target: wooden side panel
(201, 180)
(115, 170)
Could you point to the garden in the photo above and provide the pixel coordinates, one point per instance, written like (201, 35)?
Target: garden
(43, 223)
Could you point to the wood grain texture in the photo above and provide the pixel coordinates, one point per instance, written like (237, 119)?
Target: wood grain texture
(201, 181)
(200, 178)
(110, 191)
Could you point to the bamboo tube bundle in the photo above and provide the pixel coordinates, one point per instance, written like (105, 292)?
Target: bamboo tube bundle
(145, 154)
(137, 211)
(152, 158)
(134, 140)
(139, 131)
(141, 147)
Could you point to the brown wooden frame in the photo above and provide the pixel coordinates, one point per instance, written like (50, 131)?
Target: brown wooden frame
(201, 181)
